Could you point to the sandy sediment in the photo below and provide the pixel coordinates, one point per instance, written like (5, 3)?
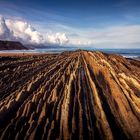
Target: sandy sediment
(72, 95)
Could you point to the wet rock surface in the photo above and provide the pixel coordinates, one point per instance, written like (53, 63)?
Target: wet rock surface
(73, 95)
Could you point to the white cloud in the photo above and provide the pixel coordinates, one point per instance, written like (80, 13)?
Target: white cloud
(81, 42)
(22, 31)
(123, 36)
(127, 36)
(118, 36)
(58, 38)
(5, 33)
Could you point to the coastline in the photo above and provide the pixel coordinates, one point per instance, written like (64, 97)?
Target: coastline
(133, 55)
(21, 54)
(51, 86)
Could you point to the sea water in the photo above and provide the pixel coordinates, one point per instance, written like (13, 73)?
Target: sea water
(129, 53)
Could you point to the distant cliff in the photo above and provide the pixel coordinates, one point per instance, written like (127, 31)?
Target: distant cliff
(11, 45)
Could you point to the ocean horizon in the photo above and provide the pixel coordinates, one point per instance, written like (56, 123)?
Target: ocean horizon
(128, 53)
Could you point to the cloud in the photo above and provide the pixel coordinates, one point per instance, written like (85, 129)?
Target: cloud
(115, 36)
(22, 31)
(126, 36)
(118, 36)
(81, 42)
(5, 33)
(123, 36)
(58, 38)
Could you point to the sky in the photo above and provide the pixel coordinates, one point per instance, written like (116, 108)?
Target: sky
(80, 23)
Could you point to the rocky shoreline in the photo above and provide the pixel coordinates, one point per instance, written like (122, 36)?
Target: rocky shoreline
(72, 95)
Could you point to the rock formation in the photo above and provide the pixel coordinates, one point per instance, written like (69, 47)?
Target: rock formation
(74, 95)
